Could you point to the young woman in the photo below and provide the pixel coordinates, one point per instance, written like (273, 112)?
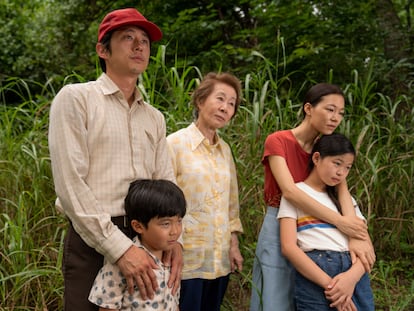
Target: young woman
(285, 159)
(204, 168)
(318, 250)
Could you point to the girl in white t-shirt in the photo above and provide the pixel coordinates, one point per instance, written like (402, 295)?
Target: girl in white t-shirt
(318, 250)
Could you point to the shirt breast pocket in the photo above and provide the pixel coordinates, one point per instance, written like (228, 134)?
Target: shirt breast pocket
(146, 153)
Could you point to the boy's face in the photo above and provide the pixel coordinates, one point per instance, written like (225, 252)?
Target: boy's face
(161, 234)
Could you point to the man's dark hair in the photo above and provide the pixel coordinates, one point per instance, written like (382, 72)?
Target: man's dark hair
(106, 42)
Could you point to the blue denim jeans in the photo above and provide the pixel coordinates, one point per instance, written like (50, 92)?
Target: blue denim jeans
(273, 275)
(311, 297)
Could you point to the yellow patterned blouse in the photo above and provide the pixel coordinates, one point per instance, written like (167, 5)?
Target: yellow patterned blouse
(207, 175)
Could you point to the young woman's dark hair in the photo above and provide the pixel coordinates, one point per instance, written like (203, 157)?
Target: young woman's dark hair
(318, 91)
(150, 198)
(328, 146)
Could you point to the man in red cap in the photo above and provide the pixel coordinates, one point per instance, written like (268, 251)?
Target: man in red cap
(103, 136)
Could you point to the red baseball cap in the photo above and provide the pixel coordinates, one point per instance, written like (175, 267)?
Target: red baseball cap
(125, 17)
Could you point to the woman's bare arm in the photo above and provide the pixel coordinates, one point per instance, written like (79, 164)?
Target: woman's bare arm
(361, 248)
(352, 226)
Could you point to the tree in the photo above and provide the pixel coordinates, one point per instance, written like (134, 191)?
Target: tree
(306, 39)
(398, 49)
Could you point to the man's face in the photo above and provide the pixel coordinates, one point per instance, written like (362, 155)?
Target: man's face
(129, 53)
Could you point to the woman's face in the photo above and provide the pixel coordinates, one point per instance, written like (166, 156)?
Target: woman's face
(218, 108)
(327, 114)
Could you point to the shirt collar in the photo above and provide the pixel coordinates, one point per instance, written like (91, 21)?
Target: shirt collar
(110, 88)
(197, 138)
(137, 242)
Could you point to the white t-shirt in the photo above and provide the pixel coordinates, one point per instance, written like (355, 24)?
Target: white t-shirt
(312, 233)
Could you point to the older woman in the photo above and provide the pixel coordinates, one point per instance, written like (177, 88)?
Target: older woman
(205, 171)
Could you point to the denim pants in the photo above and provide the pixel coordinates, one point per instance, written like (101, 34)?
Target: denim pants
(273, 276)
(311, 297)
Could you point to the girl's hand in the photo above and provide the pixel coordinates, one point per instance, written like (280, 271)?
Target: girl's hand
(341, 289)
(348, 307)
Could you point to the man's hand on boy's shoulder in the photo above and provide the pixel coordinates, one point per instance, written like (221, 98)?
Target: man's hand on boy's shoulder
(137, 267)
(174, 258)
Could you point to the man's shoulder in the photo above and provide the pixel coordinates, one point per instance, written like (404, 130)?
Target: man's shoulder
(79, 87)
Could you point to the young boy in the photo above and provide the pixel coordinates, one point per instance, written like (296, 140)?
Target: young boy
(155, 209)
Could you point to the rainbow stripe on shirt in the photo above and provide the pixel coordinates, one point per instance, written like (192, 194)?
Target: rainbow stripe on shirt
(309, 222)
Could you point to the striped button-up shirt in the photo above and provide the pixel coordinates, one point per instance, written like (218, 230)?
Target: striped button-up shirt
(98, 146)
(207, 175)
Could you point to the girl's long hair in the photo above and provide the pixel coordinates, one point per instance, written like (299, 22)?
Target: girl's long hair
(332, 145)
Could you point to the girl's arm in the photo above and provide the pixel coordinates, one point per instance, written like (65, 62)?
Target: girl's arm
(309, 269)
(352, 226)
(302, 263)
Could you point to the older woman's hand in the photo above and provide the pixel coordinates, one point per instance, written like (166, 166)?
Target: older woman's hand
(236, 259)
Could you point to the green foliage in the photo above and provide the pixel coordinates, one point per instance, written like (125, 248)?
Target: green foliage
(47, 39)
(387, 287)
(169, 89)
(51, 39)
(31, 232)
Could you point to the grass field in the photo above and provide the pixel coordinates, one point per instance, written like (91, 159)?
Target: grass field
(31, 232)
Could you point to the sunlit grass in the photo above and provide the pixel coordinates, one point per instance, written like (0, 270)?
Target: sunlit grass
(31, 232)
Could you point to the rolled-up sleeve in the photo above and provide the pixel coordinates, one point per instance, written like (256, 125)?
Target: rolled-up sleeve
(70, 158)
(98, 145)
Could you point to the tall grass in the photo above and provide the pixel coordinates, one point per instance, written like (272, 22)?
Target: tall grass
(31, 232)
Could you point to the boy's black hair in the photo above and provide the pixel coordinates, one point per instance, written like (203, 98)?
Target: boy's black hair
(154, 198)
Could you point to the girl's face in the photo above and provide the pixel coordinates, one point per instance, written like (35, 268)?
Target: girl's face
(327, 114)
(332, 170)
(218, 108)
